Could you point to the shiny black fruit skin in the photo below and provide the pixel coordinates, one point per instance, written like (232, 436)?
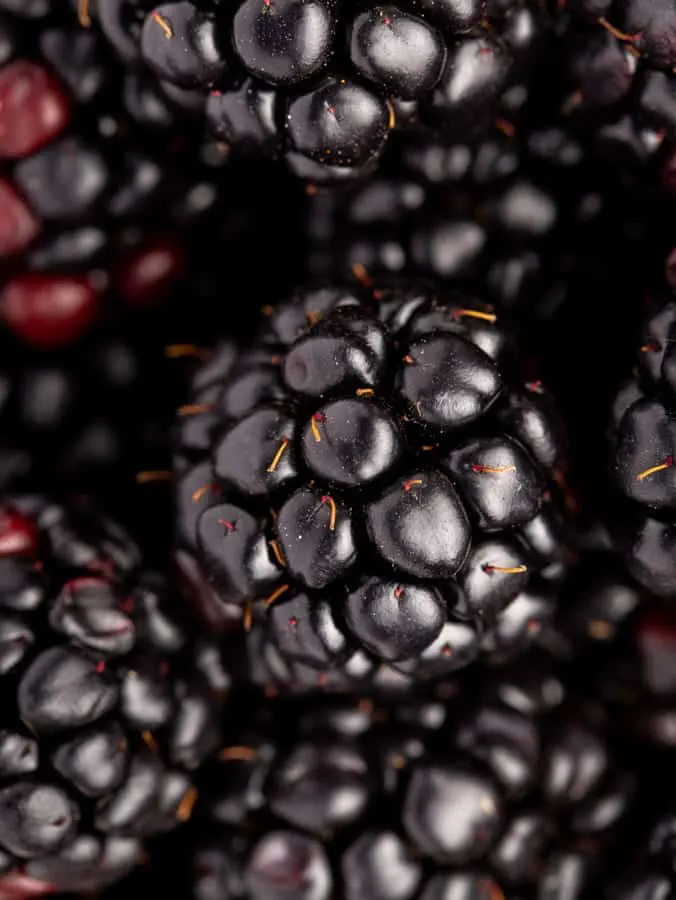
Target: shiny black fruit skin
(476, 73)
(340, 123)
(397, 51)
(434, 796)
(109, 187)
(111, 700)
(245, 116)
(642, 448)
(371, 486)
(420, 526)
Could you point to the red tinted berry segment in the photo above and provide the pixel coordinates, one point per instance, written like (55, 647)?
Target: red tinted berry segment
(18, 534)
(145, 275)
(18, 226)
(49, 310)
(21, 887)
(34, 109)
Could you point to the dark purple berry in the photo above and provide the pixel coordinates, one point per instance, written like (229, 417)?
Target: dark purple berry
(316, 538)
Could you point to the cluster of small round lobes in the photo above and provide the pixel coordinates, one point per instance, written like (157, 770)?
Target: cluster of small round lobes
(295, 46)
(100, 729)
(408, 461)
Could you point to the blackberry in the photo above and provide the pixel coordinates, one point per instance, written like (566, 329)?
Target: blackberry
(323, 83)
(370, 485)
(486, 213)
(642, 455)
(94, 420)
(110, 703)
(98, 206)
(511, 788)
(619, 56)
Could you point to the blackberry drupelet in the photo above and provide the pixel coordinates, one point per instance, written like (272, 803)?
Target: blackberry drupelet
(109, 702)
(371, 486)
(643, 445)
(510, 788)
(323, 83)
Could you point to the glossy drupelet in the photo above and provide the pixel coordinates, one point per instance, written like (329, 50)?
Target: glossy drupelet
(535, 223)
(323, 83)
(109, 703)
(370, 485)
(643, 442)
(511, 788)
(637, 683)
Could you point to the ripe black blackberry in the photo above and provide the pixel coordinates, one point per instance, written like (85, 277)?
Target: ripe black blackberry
(511, 788)
(324, 83)
(619, 56)
(370, 485)
(109, 702)
(643, 448)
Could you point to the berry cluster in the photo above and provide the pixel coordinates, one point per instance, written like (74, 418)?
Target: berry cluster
(620, 57)
(103, 201)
